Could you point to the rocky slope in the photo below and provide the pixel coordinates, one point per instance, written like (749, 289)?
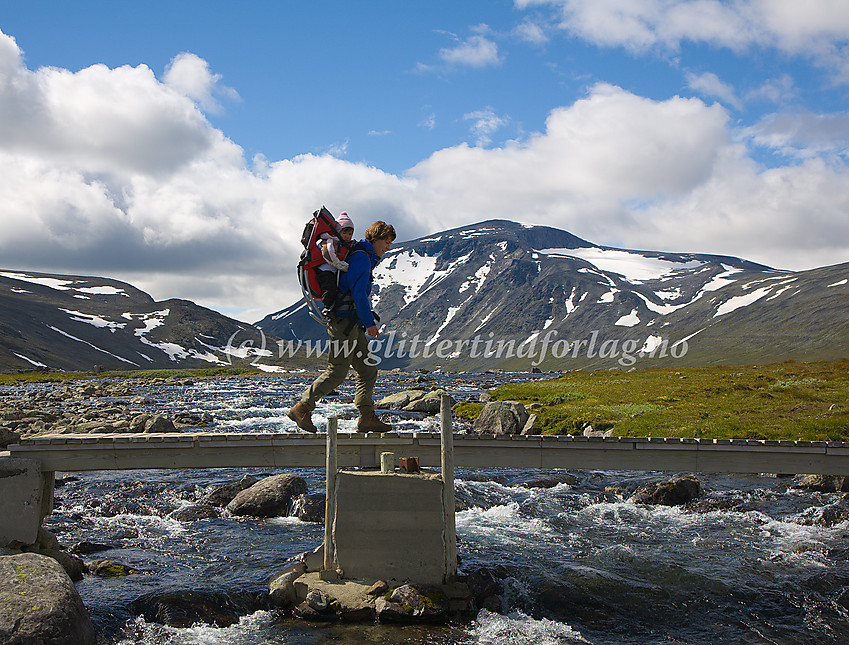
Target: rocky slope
(502, 294)
(63, 322)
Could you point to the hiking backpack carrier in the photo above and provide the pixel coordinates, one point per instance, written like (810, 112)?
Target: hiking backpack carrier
(322, 222)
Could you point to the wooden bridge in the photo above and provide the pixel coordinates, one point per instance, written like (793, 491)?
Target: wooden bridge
(27, 485)
(293, 450)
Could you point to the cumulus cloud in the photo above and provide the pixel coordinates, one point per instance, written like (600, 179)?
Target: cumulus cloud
(803, 135)
(476, 51)
(484, 124)
(192, 218)
(594, 157)
(531, 32)
(709, 84)
(818, 29)
(775, 90)
(190, 75)
(98, 118)
(621, 169)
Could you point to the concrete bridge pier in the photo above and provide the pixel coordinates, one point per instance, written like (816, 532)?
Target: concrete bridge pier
(26, 498)
(391, 526)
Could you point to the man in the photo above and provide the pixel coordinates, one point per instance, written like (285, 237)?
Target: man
(349, 326)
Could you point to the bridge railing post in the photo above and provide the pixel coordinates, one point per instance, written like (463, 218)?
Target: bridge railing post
(330, 502)
(447, 449)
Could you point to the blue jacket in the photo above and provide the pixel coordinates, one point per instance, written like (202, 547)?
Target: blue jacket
(357, 281)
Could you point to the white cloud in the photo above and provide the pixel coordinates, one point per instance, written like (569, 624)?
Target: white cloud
(190, 75)
(803, 135)
(485, 123)
(98, 119)
(775, 90)
(338, 149)
(190, 217)
(595, 156)
(476, 51)
(818, 29)
(531, 32)
(709, 84)
(621, 169)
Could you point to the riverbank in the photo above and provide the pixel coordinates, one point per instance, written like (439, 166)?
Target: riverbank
(789, 401)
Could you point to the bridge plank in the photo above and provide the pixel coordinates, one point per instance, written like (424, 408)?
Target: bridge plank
(297, 449)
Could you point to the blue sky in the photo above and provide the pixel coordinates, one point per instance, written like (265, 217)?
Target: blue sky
(178, 145)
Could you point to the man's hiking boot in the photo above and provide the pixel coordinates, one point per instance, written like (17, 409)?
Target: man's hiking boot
(300, 414)
(370, 422)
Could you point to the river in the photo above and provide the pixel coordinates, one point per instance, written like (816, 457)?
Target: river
(757, 562)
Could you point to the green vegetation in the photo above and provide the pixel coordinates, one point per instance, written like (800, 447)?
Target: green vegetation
(45, 377)
(42, 377)
(467, 410)
(196, 373)
(790, 400)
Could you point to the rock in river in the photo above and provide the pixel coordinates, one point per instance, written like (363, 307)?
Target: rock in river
(269, 497)
(39, 604)
(678, 490)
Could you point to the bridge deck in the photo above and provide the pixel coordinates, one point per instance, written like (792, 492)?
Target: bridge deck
(292, 450)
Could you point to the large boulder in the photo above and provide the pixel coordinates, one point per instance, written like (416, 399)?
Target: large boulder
(425, 401)
(159, 424)
(269, 497)
(39, 604)
(310, 508)
(398, 400)
(501, 417)
(8, 436)
(676, 491)
(822, 483)
(186, 607)
(223, 494)
(430, 403)
(412, 604)
(550, 481)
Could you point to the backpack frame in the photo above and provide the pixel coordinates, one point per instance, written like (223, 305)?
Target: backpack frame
(322, 222)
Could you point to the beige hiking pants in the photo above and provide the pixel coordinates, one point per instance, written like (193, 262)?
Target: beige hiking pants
(346, 350)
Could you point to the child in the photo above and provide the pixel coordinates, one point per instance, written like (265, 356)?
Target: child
(326, 274)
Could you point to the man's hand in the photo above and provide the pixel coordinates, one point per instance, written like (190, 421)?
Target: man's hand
(372, 331)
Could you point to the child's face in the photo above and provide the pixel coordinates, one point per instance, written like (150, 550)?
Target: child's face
(346, 234)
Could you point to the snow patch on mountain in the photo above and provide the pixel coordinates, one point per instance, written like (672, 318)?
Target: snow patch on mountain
(91, 319)
(634, 267)
(478, 278)
(151, 320)
(29, 360)
(415, 273)
(736, 302)
(63, 285)
(85, 342)
(721, 279)
(628, 320)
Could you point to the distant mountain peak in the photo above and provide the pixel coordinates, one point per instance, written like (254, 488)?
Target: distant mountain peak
(516, 282)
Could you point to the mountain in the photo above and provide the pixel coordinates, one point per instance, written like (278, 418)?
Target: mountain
(65, 322)
(504, 295)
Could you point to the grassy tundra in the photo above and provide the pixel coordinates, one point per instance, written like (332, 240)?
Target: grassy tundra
(807, 401)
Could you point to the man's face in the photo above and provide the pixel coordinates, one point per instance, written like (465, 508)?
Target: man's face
(381, 247)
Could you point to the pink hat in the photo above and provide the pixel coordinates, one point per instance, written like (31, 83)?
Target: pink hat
(343, 222)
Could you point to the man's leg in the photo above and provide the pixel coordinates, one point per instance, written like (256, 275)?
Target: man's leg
(341, 349)
(366, 370)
